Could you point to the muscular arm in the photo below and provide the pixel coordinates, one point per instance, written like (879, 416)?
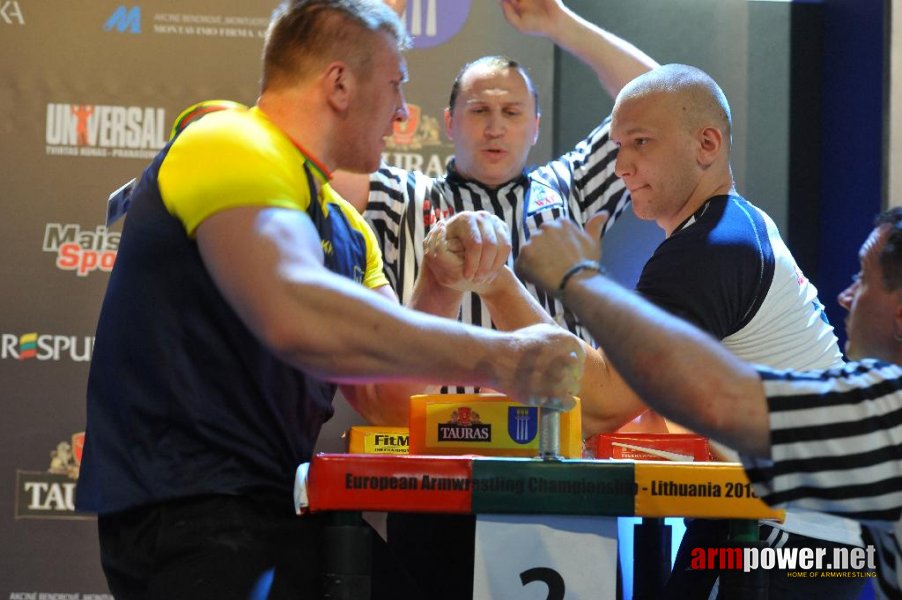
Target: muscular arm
(386, 403)
(607, 401)
(459, 250)
(614, 60)
(268, 264)
(678, 370)
(674, 367)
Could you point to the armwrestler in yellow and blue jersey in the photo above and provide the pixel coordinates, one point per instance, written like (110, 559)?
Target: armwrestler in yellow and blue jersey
(195, 370)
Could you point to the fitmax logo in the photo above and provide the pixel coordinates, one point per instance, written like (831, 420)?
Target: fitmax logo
(124, 20)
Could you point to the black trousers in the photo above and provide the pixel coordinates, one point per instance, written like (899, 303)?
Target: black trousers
(224, 547)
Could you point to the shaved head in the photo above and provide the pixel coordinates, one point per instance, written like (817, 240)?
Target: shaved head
(691, 91)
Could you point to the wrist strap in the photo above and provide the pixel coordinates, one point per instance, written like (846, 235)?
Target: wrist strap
(583, 265)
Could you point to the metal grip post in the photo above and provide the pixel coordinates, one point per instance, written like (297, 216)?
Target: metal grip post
(549, 433)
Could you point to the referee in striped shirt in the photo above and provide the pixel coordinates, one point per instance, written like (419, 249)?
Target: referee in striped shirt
(826, 441)
(488, 203)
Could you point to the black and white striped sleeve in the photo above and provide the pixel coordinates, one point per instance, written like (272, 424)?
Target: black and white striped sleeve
(836, 441)
(587, 179)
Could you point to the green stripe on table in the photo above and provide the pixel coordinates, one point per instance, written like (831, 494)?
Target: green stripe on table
(568, 487)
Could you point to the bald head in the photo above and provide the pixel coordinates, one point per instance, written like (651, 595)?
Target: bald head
(692, 95)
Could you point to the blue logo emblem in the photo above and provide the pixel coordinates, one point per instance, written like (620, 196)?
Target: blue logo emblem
(124, 20)
(434, 22)
(522, 423)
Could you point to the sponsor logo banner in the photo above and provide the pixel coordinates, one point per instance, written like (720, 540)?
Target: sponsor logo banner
(465, 426)
(434, 22)
(102, 131)
(50, 494)
(11, 13)
(128, 19)
(124, 20)
(81, 251)
(45, 347)
(416, 144)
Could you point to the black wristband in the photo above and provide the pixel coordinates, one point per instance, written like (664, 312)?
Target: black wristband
(583, 265)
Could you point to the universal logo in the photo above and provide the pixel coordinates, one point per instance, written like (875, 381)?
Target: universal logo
(102, 131)
(50, 494)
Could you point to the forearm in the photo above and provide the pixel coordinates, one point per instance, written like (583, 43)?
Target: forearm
(607, 401)
(349, 334)
(388, 403)
(430, 297)
(675, 368)
(615, 61)
(510, 304)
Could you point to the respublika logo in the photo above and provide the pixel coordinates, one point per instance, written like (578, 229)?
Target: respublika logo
(103, 131)
(82, 251)
(50, 494)
(434, 22)
(124, 20)
(45, 347)
(11, 13)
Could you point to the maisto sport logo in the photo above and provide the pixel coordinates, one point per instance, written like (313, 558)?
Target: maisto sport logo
(82, 251)
(102, 131)
(799, 562)
(44, 347)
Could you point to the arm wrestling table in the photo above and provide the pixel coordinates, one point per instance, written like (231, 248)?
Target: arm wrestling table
(350, 483)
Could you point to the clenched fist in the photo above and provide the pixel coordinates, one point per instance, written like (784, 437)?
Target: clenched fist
(543, 361)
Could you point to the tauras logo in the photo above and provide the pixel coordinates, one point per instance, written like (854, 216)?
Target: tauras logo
(411, 138)
(45, 347)
(81, 250)
(51, 494)
(465, 425)
(464, 433)
(11, 13)
(433, 165)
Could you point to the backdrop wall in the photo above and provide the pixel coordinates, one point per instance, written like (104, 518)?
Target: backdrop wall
(88, 92)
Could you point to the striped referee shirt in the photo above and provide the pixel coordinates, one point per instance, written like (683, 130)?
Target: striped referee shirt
(403, 205)
(836, 446)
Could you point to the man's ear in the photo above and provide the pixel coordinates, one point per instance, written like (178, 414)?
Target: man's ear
(338, 84)
(535, 137)
(448, 118)
(710, 145)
